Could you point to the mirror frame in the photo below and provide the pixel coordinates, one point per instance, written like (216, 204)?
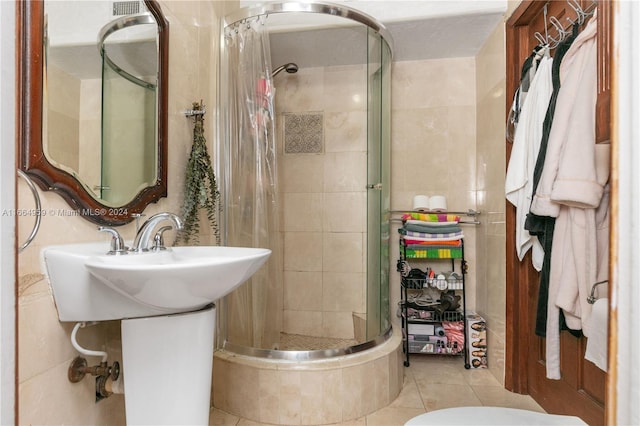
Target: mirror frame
(32, 160)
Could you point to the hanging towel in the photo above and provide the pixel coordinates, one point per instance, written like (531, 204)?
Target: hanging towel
(526, 76)
(597, 342)
(526, 145)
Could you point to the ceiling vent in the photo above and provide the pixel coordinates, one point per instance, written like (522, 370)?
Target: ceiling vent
(121, 8)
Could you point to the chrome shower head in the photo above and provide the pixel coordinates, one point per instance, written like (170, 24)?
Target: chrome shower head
(291, 68)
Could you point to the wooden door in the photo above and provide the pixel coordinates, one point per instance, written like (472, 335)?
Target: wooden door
(581, 390)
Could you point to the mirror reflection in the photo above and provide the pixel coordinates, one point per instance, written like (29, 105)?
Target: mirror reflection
(100, 104)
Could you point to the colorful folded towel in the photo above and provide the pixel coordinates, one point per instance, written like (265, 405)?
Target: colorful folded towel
(424, 236)
(432, 217)
(423, 247)
(432, 253)
(432, 229)
(432, 224)
(434, 242)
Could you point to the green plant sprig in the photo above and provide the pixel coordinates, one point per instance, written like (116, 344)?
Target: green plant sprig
(200, 188)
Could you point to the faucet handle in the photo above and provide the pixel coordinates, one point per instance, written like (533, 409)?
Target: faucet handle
(117, 243)
(158, 239)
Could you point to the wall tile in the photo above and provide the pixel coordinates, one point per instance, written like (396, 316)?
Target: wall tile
(269, 395)
(302, 212)
(352, 382)
(290, 397)
(303, 291)
(68, 403)
(303, 251)
(345, 172)
(345, 131)
(302, 91)
(347, 88)
(43, 334)
(337, 324)
(342, 252)
(344, 212)
(343, 291)
(308, 323)
(302, 173)
(491, 61)
(440, 81)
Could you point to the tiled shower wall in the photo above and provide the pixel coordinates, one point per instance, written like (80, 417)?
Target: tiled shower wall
(323, 198)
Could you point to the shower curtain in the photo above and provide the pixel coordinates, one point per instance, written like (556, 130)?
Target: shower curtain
(254, 311)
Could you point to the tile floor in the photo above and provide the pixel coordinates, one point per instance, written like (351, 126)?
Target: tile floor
(430, 383)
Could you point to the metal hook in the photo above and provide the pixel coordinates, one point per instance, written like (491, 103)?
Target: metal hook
(540, 38)
(546, 26)
(591, 299)
(558, 26)
(580, 14)
(576, 11)
(555, 42)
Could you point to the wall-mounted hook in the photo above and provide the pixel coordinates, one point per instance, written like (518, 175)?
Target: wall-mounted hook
(197, 109)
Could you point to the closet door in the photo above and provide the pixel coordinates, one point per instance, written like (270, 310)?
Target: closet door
(581, 390)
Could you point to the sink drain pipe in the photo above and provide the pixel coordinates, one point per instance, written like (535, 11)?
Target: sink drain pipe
(82, 350)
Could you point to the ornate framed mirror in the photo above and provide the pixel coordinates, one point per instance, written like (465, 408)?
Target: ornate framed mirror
(93, 109)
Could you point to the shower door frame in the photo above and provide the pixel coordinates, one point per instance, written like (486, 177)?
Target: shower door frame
(222, 130)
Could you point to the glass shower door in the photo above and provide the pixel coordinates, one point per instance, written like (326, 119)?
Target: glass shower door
(128, 138)
(378, 185)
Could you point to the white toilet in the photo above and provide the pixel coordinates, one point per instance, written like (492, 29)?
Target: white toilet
(491, 416)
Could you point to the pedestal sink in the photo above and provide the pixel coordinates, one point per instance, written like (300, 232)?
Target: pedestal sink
(165, 301)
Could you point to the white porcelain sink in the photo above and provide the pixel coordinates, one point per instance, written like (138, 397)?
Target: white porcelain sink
(89, 285)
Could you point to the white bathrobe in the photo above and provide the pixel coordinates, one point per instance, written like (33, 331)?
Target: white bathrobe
(526, 146)
(570, 189)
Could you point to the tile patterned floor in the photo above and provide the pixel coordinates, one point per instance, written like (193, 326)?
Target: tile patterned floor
(430, 383)
(297, 342)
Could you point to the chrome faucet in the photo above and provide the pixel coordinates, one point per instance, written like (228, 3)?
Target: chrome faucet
(145, 233)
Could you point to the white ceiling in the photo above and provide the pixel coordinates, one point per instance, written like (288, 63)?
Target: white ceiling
(421, 29)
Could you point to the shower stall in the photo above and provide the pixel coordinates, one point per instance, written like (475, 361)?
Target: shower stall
(304, 158)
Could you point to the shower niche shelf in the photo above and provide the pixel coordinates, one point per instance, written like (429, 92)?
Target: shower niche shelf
(432, 305)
